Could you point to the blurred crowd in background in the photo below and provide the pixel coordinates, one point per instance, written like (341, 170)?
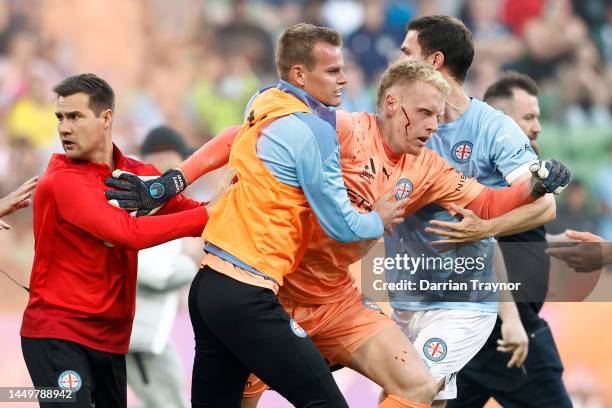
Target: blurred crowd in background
(193, 64)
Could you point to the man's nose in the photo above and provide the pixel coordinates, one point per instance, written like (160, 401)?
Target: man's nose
(64, 127)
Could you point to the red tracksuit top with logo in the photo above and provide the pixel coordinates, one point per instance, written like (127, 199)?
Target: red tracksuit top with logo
(83, 281)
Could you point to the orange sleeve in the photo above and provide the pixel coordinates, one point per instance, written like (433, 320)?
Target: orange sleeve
(211, 156)
(493, 202)
(447, 185)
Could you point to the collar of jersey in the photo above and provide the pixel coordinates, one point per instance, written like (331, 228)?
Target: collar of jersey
(328, 114)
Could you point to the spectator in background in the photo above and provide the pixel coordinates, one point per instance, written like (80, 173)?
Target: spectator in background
(516, 13)
(604, 36)
(153, 364)
(312, 12)
(603, 189)
(400, 11)
(484, 72)
(492, 39)
(593, 12)
(372, 45)
(586, 101)
(17, 200)
(222, 89)
(22, 63)
(574, 212)
(357, 96)
(552, 37)
(32, 116)
(242, 36)
(10, 22)
(24, 159)
(161, 97)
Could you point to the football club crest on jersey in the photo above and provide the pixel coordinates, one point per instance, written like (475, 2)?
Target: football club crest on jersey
(370, 304)
(403, 189)
(462, 151)
(435, 349)
(297, 329)
(69, 380)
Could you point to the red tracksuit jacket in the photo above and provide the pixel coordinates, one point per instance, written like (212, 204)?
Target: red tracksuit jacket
(81, 289)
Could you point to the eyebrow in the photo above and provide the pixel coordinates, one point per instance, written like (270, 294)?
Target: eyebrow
(429, 111)
(59, 113)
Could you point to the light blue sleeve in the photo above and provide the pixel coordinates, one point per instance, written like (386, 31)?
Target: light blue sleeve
(509, 151)
(303, 151)
(277, 148)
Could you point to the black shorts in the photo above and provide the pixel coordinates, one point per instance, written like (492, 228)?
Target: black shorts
(101, 375)
(539, 386)
(241, 328)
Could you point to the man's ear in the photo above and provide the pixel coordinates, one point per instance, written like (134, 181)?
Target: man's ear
(296, 75)
(437, 59)
(107, 117)
(390, 103)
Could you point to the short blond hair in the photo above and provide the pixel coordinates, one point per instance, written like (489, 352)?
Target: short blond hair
(296, 46)
(406, 72)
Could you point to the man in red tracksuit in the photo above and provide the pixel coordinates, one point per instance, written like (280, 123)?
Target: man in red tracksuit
(77, 324)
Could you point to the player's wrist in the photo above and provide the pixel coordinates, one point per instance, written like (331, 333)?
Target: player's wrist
(184, 175)
(173, 181)
(508, 313)
(490, 228)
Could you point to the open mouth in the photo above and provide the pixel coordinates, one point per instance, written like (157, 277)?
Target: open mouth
(423, 139)
(68, 144)
(338, 93)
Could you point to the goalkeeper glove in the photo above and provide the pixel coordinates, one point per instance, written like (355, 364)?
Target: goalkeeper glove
(549, 176)
(143, 194)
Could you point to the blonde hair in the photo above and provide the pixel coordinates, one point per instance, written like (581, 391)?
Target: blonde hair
(407, 72)
(296, 46)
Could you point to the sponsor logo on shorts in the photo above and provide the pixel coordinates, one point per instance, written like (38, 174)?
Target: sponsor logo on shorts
(462, 151)
(403, 189)
(69, 380)
(156, 190)
(297, 329)
(370, 304)
(435, 349)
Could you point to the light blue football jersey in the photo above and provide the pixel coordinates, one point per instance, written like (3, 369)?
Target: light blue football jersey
(485, 144)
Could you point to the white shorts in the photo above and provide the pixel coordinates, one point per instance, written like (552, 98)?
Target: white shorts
(446, 339)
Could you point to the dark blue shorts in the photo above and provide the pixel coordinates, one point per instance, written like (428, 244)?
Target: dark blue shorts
(487, 376)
